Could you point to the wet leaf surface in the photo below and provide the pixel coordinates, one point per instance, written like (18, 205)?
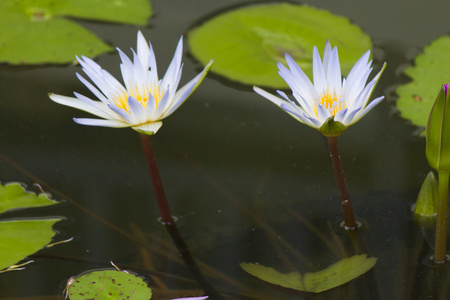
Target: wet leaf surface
(247, 43)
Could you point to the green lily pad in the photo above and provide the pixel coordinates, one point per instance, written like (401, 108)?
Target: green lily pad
(430, 71)
(247, 43)
(21, 238)
(14, 196)
(335, 275)
(108, 284)
(38, 32)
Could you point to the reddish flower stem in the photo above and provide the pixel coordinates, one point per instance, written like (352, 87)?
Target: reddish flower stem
(166, 216)
(346, 205)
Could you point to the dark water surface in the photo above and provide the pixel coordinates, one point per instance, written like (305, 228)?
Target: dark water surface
(243, 177)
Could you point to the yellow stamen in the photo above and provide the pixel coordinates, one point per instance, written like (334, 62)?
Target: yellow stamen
(332, 102)
(140, 94)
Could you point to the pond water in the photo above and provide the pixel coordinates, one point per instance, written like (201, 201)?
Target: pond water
(249, 183)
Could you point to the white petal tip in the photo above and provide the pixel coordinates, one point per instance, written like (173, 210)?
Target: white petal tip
(208, 66)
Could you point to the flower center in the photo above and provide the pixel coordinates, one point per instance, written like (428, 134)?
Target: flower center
(332, 102)
(141, 94)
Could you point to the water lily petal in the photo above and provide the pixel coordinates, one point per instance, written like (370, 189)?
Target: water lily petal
(283, 94)
(140, 77)
(320, 81)
(163, 105)
(326, 57)
(315, 123)
(340, 116)
(101, 122)
(93, 89)
(306, 105)
(152, 65)
(127, 70)
(360, 67)
(362, 99)
(123, 114)
(151, 108)
(348, 119)
(136, 110)
(103, 110)
(182, 94)
(334, 72)
(322, 113)
(172, 73)
(362, 113)
(365, 95)
(192, 298)
(107, 84)
(298, 115)
(299, 82)
(78, 104)
(278, 101)
(353, 88)
(179, 99)
(144, 53)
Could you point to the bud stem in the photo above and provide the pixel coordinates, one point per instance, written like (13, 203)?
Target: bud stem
(441, 219)
(346, 205)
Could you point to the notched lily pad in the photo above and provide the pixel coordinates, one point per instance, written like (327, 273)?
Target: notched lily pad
(430, 71)
(247, 43)
(21, 238)
(14, 196)
(108, 284)
(37, 31)
(335, 275)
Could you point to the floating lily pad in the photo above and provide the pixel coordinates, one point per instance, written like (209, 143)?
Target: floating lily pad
(21, 238)
(430, 72)
(247, 43)
(14, 196)
(108, 284)
(335, 275)
(37, 31)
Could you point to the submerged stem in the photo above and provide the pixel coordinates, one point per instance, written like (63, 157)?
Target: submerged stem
(441, 219)
(189, 261)
(164, 209)
(346, 205)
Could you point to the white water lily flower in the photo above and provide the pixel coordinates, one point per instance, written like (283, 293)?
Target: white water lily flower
(143, 102)
(331, 104)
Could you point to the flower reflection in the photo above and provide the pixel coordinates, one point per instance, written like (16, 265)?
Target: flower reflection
(143, 102)
(331, 104)
(192, 298)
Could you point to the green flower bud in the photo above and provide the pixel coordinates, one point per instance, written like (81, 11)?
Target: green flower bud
(426, 205)
(438, 133)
